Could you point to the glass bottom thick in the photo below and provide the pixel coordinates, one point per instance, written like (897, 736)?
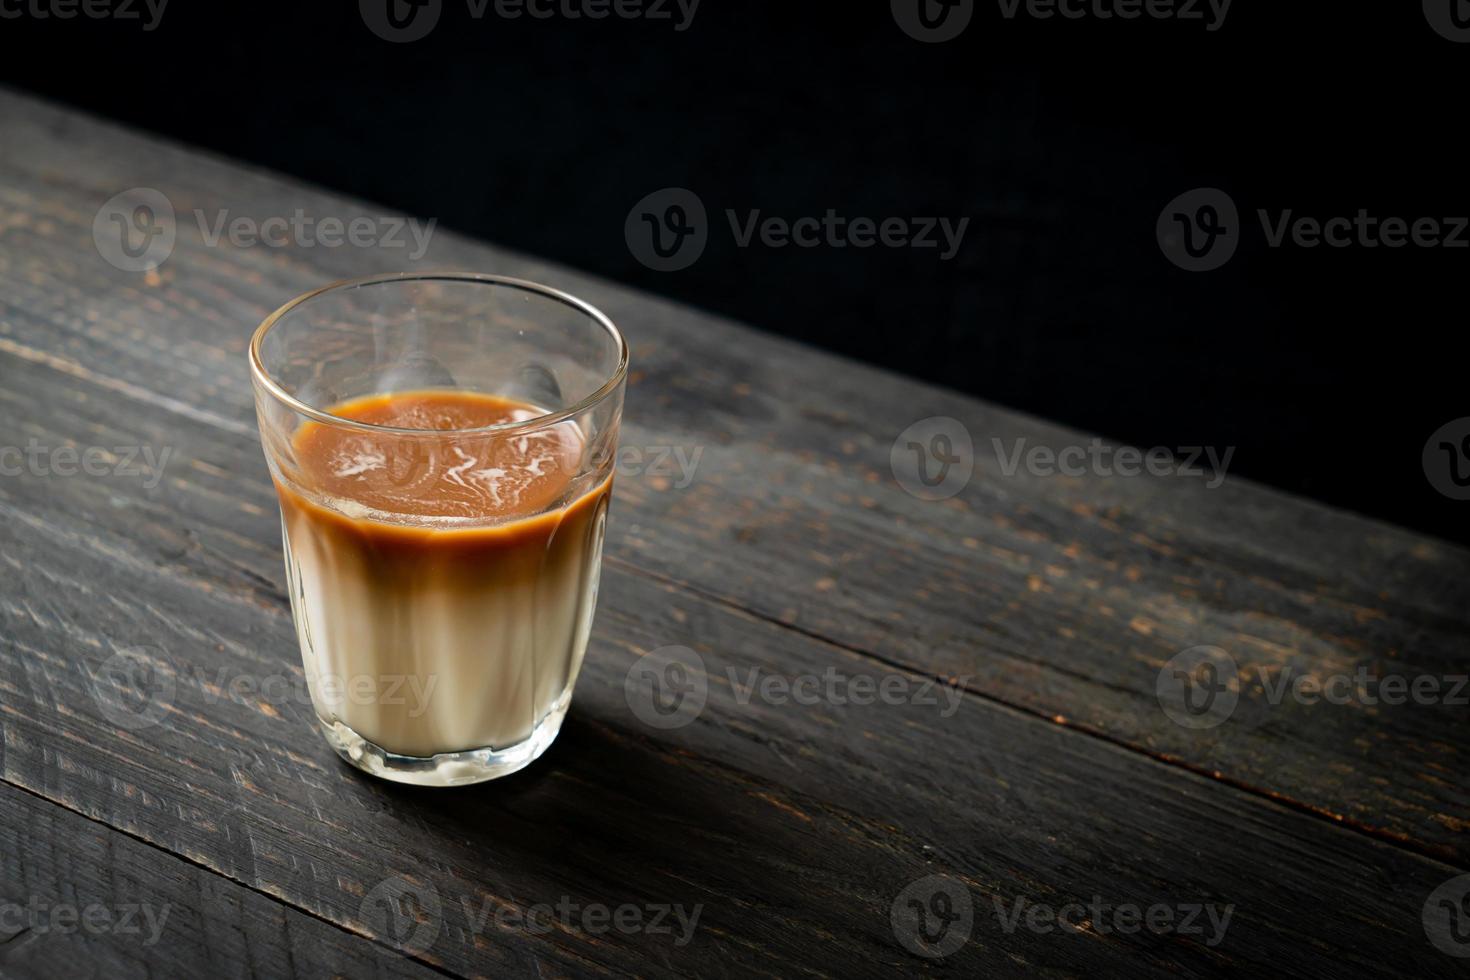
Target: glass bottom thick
(447, 768)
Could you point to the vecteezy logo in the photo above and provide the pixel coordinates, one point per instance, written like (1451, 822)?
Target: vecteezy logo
(1447, 917)
(1449, 18)
(1199, 230)
(405, 912)
(1446, 459)
(934, 458)
(400, 21)
(135, 230)
(667, 230)
(933, 916)
(933, 21)
(135, 687)
(667, 688)
(1199, 688)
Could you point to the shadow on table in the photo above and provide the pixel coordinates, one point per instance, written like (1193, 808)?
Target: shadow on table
(613, 817)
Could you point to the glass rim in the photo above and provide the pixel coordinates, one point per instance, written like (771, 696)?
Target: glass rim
(263, 378)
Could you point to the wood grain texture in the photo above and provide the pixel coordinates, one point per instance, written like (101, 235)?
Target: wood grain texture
(81, 900)
(783, 822)
(1057, 600)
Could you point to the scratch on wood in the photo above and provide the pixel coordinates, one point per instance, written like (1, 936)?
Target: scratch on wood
(778, 804)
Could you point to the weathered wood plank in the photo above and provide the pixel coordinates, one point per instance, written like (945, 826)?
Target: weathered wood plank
(81, 900)
(785, 822)
(1063, 596)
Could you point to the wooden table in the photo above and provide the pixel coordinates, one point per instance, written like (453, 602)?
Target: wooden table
(934, 736)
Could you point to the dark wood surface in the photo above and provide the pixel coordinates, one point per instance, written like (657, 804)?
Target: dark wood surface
(1045, 606)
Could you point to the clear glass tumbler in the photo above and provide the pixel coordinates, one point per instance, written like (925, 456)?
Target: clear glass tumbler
(443, 449)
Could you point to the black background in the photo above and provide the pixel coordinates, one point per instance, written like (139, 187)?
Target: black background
(1062, 141)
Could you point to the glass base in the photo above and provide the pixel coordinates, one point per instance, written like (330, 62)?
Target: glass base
(447, 768)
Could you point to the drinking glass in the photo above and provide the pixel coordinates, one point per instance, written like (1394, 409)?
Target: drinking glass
(440, 640)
